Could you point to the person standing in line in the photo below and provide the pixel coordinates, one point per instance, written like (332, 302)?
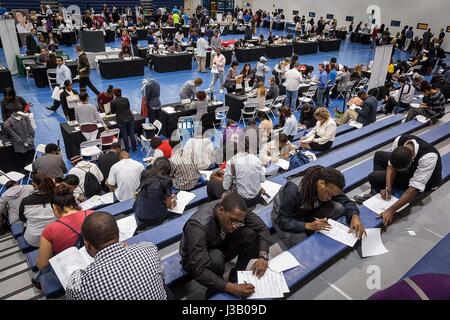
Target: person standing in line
(217, 70)
(84, 70)
(201, 52)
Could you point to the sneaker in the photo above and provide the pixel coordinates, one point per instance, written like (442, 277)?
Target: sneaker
(36, 283)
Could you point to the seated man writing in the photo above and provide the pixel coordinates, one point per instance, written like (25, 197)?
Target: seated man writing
(413, 166)
(217, 233)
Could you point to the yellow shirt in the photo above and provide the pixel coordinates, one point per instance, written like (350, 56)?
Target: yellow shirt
(391, 68)
(176, 18)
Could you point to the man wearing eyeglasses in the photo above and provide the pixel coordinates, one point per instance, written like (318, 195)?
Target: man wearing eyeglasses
(216, 234)
(413, 166)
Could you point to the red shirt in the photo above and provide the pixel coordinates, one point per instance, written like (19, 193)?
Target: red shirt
(166, 149)
(61, 236)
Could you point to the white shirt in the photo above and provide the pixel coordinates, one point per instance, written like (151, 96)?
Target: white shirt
(201, 47)
(325, 131)
(201, 150)
(179, 37)
(249, 175)
(293, 80)
(290, 126)
(126, 174)
(80, 171)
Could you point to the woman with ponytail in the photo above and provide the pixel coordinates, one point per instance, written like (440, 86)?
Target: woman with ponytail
(35, 210)
(65, 231)
(300, 210)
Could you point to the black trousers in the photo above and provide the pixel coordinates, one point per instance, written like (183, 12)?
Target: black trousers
(321, 147)
(56, 105)
(377, 178)
(86, 82)
(242, 243)
(391, 105)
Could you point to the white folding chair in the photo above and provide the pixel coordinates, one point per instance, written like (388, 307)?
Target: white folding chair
(220, 117)
(51, 76)
(109, 137)
(91, 149)
(145, 143)
(248, 112)
(10, 176)
(40, 149)
(308, 96)
(277, 103)
(266, 109)
(158, 125)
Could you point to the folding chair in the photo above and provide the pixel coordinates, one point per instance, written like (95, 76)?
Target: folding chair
(220, 117)
(91, 149)
(145, 143)
(109, 137)
(186, 124)
(348, 87)
(308, 96)
(277, 104)
(51, 76)
(39, 149)
(158, 125)
(248, 112)
(10, 176)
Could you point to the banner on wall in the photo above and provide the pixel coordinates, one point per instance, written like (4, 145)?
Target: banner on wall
(380, 66)
(10, 43)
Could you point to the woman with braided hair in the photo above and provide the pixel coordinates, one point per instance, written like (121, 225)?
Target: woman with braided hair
(300, 210)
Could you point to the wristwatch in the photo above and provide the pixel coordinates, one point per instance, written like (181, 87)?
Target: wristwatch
(264, 255)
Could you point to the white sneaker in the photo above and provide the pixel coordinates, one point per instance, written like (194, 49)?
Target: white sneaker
(221, 91)
(207, 90)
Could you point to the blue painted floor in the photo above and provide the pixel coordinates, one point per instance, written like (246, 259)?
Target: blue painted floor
(48, 130)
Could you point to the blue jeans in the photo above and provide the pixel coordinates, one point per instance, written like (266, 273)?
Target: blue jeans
(127, 130)
(320, 96)
(291, 98)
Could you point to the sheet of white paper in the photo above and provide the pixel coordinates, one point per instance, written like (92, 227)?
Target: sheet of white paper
(88, 257)
(99, 125)
(271, 189)
(415, 105)
(67, 262)
(283, 164)
(283, 262)
(169, 109)
(207, 174)
(112, 123)
(127, 227)
(93, 202)
(355, 124)
(378, 205)
(183, 198)
(271, 285)
(108, 198)
(372, 244)
(339, 232)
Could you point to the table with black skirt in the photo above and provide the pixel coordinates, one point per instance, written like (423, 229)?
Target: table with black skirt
(306, 47)
(279, 25)
(266, 24)
(228, 53)
(5, 79)
(142, 52)
(329, 45)
(68, 38)
(365, 38)
(274, 51)
(249, 54)
(39, 72)
(239, 29)
(235, 103)
(341, 34)
(169, 119)
(73, 138)
(110, 35)
(172, 62)
(121, 68)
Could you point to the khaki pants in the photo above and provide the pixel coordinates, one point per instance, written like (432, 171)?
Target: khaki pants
(347, 116)
(201, 61)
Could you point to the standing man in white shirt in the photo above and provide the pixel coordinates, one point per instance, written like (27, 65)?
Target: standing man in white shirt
(293, 81)
(201, 52)
(63, 73)
(125, 177)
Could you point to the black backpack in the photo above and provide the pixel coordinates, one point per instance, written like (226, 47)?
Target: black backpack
(80, 241)
(91, 185)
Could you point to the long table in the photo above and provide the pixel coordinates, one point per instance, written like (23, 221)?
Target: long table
(235, 103)
(329, 45)
(121, 68)
(172, 62)
(170, 113)
(249, 54)
(93, 55)
(274, 51)
(306, 47)
(341, 34)
(73, 137)
(11, 160)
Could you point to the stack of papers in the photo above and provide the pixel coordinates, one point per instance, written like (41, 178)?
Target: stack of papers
(127, 227)
(415, 105)
(97, 201)
(271, 189)
(283, 164)
(270, 285)
(355, 124)
(283, 262)
(339, 232)
(183, 199)
(378, 205)
(169, 109)
(372, 244)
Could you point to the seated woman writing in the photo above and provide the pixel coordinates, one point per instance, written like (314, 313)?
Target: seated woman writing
(321, 137)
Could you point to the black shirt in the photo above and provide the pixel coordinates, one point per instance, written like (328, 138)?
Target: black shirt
(307, 117)
(106, 161)
(120, 106)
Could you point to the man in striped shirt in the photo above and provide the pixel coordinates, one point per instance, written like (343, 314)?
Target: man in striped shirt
(432, 106)
(87, 116)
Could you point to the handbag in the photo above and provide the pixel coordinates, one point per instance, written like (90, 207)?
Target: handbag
(144, 108)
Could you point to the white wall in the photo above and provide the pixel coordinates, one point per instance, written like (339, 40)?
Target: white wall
(433, 12)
